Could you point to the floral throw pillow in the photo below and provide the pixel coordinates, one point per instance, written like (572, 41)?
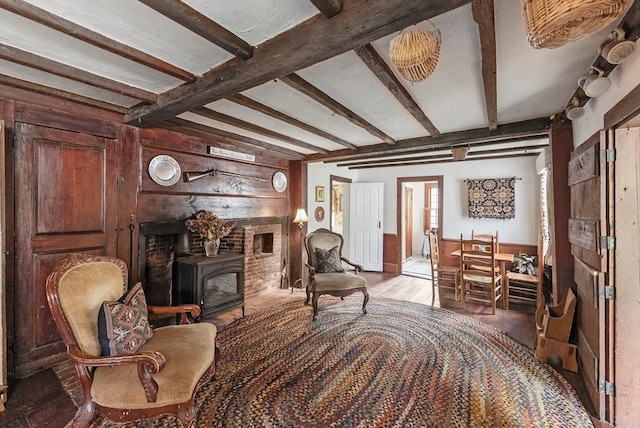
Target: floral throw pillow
(329, 261)
(123, 326)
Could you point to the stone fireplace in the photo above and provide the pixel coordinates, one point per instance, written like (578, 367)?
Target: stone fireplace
(261, 241)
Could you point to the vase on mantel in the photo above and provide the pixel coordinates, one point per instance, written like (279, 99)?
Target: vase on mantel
(211, 246)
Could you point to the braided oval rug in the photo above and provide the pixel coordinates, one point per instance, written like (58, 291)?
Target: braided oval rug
(401, 365)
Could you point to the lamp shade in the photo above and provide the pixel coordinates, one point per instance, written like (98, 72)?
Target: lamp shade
(301, 216)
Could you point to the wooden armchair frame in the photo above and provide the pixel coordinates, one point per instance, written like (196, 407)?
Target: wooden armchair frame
(337, 284)
(148, 362)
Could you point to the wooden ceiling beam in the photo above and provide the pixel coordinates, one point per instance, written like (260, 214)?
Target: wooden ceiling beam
(422, 150)
(59, 93)
(383, 72)
(301, 85)
(446, 161)
(472, 152)
(247, 102)
(328, 8)
(202, 25)
(72, 29)
(314, 40)
(483, 14)
(239, 123)
(207, 133)
(528, 128)
(63, 70)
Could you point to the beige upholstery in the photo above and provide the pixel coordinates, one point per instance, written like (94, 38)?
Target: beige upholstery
(188, 350)
(165, 373)
(81, 303)
(339, 284)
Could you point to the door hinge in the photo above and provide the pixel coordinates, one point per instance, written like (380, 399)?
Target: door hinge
(607, 387)
(607, 291)
(607, 242)
(608, 155)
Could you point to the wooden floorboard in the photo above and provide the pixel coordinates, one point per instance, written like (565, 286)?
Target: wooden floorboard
(40, 400)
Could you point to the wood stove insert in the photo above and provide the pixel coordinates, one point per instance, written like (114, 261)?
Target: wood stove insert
(216, 284)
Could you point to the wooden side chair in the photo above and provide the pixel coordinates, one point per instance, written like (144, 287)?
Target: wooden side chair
(480, 277)
(487, 237)
(326, 272)
(526, 287)
(442, 275)
(127, 369)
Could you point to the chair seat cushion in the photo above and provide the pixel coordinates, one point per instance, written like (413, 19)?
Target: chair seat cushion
(189, 352)
(337, 281)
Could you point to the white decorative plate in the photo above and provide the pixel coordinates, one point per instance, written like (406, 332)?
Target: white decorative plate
(279, 181)
(164, 170)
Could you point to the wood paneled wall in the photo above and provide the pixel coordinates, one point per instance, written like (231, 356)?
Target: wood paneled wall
(123, 195)
(239, 190)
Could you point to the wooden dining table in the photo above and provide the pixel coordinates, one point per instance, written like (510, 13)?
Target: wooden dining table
(503, 258)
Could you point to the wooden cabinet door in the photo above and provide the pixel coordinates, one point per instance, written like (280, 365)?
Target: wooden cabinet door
(65, 196)
(591, 237)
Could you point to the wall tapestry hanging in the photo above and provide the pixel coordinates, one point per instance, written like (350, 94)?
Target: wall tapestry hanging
(492, 198)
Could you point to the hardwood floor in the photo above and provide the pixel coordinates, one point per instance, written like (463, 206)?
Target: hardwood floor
(40, 400)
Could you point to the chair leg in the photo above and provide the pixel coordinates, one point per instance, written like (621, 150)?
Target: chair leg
(455, 286)
(505, 297)
(306, 302)
(83, 416)
(187, 416)
(314, 303)
(493, 300)
(366, 300)
(433, 289)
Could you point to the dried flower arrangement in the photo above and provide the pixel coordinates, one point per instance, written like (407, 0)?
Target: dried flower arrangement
(210, 226)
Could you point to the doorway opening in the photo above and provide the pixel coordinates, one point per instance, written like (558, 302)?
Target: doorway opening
(419, 212)
(339, 208)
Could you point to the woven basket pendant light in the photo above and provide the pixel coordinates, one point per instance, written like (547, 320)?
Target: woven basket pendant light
(415, 53)
(553, 23)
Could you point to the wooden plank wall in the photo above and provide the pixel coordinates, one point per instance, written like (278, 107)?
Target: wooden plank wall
(240, 190)
(136, 198)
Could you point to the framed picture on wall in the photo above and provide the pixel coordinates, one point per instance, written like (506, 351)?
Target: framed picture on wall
(319, 193)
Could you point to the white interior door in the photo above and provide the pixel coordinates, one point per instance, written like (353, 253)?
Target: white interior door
(366, 225)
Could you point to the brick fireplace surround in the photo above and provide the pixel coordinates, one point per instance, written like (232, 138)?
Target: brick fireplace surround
(260, 240)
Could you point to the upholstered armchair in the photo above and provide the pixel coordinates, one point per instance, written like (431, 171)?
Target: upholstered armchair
(127, 369)
(326, 271)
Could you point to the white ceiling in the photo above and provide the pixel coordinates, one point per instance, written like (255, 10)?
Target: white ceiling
(531, 83)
